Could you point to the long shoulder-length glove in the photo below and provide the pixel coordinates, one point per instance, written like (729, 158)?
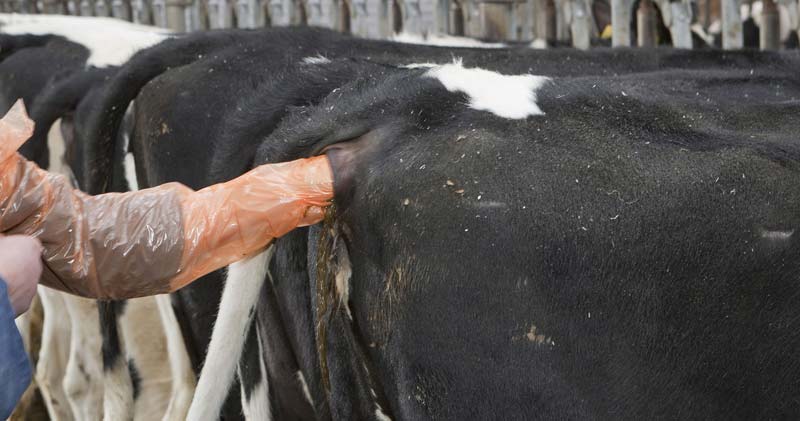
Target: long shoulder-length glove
(153, 241)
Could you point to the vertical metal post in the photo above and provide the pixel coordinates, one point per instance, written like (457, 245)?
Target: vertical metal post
(195, 16)
(121, 9)
(141, 12)
(316, 14)
(246, 12)
(678, 18)
(219, 14)
(101, 8)
(524, 20)
(52, 7)
(579, 17)
(360, 23)
(413, 17)
(769, 32)
(646, 24)
(496, 20)
(86, 8)
(562, 26)
(175, 15)
(620, 23)
(732, 37)
(545, 20)
(159, 8)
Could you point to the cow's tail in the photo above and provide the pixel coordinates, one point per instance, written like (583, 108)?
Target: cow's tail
(56, 100)
(107, 114)
(9, 44)
(237, 307)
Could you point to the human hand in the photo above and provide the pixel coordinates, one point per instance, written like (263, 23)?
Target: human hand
(20, 267)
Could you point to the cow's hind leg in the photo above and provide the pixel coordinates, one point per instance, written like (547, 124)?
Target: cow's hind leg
(237, 306)
(84, 375)
(183, 378)
(253, 378)
(54, 354)
(148, 362)
(118, 392)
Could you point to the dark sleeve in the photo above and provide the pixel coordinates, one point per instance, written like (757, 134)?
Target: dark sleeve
(15, 368)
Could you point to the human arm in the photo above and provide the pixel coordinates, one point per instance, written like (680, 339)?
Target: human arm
(154, 241)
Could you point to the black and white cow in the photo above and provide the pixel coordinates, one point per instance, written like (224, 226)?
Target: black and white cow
(168, 126)
(195, 301)
(535, 247)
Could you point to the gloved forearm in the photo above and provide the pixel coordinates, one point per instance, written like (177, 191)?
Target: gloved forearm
(124, 245)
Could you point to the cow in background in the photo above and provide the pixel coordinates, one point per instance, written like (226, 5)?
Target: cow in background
(69, 49)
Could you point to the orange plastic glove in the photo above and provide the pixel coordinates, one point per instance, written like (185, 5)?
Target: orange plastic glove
(153, 241)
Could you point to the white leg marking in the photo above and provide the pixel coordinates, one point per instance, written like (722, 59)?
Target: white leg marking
(239, 297)
(183, 379)
(118, 392)
(83, 379)
(257, 408)
(118, 395)
(146, 348)
(53, 354)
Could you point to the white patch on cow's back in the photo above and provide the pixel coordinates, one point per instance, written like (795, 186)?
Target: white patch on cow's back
(439, 40)
(507, 96)
(317, 59)
(110, 41)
